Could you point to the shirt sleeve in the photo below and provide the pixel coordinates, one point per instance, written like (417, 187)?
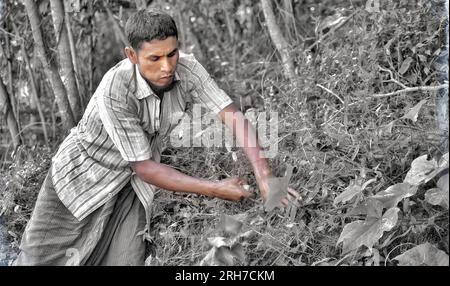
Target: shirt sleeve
(206, 91)
(119, 115)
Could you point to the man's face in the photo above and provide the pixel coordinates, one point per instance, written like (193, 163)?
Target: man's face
(156, 60)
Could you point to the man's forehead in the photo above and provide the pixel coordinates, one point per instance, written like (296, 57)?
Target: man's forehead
(161, 47)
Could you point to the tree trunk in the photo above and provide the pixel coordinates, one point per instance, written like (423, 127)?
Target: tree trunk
(34, 95)
(279, 41)
(289, 20)
(91, 48)
(34, 92)
(442, 94)
(192, 37)
(49, 68)
(119, 30)
(7, 54)
(65, 58)
(73, 52)
(187, 37)
(228, 20)
(6, 110)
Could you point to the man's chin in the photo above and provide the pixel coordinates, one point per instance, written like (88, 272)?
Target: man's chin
(161, 88)
(164, 86)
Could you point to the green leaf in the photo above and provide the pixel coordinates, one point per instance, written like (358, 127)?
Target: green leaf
(369, 207)
(421, 171)
(352, 190)
(443, 184)
(405, 65)
(278, 189)
(394, 194)
(386, 129)
(374, 208)
(413, 113)
(422, 58)
(439, 195)
(424, 254)
(238, 251)
(367, 232)
(218, 241)
(443, 162)
(437, 52)
(224, 255)
(388, 46)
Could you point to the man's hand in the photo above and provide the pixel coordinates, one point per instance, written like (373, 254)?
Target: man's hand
(168, 178)
(231, 189)
(283, 196)
(248, 140)
(292, 196)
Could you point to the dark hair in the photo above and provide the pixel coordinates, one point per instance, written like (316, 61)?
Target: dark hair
(147, 25)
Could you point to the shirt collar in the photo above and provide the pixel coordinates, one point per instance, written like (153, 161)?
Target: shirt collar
(143, 89)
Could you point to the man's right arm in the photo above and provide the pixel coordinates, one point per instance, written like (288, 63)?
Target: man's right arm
(168, 178)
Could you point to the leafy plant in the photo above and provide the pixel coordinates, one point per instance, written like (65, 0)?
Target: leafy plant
(368, 232)
(226, 248)
(423, 255)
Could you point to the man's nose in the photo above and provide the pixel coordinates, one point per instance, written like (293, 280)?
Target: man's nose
(166, 66)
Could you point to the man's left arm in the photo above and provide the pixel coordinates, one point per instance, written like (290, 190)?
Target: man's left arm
(206, 92)
(246, 135)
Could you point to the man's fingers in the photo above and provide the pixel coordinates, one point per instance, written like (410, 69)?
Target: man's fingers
(293, 194)
(291, 197)
(244, 195)
(242, 181)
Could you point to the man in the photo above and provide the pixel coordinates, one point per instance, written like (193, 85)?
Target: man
(94, 206)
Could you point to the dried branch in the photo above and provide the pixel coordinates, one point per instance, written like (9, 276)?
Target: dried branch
(411, 89)
(331, 92)
(334, 29)
(392, 79)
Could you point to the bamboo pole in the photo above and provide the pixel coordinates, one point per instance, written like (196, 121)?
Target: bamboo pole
(279, 41)
(49, 68)
(6, 110)
(65, 58)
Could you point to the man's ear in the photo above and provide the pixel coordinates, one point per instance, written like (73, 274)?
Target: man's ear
(131, 55)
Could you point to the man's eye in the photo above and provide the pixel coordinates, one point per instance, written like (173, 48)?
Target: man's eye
(154, 59)
(172, 54)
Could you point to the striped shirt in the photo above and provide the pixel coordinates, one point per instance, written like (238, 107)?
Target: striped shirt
(125, 121)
